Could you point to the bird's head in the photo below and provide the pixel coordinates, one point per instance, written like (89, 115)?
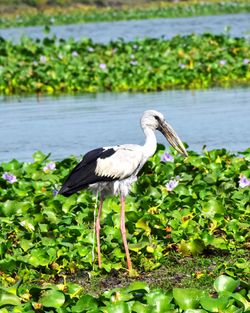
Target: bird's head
(155, 120)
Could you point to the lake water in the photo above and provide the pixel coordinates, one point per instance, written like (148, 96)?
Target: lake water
(70, 124)
(129, 30)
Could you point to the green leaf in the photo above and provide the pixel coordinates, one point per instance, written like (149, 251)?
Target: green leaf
(74, 289)
(11, 166)
(139, 307)
(195, 311)
(193, 247)
(225, 283)
(52, 298)
(9, 208)
(187, 298)
(118, 307)
(137, 285)
(214, 304)
(159, 301)
(7, 298)
(143, 224)
(26, 244)
(39, 156)
(237, 296)
(137, 246)
(212, 207)
(85, 303)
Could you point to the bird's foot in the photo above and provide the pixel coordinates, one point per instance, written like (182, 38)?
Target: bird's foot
(132, 273)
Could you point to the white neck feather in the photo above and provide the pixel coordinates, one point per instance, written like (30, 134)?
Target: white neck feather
(150, 145)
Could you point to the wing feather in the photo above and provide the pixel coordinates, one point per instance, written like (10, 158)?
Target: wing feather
(84, 172)
(103, 164)
(120, 165)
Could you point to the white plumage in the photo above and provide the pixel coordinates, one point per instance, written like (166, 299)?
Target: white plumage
(112, 170)
(123, 163)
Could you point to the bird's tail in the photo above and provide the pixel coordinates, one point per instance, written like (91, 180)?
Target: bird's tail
(68, 191)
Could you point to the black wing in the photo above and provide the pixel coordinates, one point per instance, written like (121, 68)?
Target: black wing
(84, 173)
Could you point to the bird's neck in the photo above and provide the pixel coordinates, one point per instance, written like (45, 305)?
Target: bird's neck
(150, 143)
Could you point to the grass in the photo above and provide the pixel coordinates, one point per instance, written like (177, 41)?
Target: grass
(176, 272)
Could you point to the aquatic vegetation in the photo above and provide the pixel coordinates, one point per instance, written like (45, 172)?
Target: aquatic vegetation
(244, 182)
(45, 236)
(68, 15)
(166, 157)
(172, 184)
(55, 65)
(229, 296)
(9, 177)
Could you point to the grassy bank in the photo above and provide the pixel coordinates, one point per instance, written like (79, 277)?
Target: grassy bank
(53, 65)
(42, 14)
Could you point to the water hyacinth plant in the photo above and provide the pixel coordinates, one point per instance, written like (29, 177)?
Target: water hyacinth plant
(244, 182)
(166, 157)
(205, 213)
(49, 167)
(54, 65)
(172, 184)
(9, 177)
(138, 296)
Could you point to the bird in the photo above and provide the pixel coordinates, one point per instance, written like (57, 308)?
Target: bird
(112, 170)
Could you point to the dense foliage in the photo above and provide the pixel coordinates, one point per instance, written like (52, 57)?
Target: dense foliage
(230, 296)
(55, 65)
(68, 15)
(192, 206)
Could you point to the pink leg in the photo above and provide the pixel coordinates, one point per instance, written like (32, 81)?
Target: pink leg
(97, 229)
(123, 231)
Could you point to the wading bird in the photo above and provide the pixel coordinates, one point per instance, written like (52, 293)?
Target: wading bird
(112, 170)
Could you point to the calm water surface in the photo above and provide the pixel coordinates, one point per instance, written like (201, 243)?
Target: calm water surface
(75, 124)
(129, 30)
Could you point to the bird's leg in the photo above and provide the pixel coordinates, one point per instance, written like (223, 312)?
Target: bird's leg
(97, 229)
(123, 231)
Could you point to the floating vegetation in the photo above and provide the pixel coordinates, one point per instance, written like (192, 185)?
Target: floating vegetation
(46, 236)
(54, 65)
(229, 296)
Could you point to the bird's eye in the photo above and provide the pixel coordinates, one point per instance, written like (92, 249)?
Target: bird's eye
(157, 118)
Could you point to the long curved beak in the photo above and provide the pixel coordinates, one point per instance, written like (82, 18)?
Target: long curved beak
(172, 138)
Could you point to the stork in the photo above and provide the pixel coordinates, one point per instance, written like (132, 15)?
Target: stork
(112, 170)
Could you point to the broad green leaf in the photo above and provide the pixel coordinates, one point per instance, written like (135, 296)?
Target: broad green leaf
(118, 307)
(214, 304)
(212, 207)
(193, 247)
(39, 156)
(137, 246)
(137, 285)
(26, 244)
(225, 283)
(9, 208)
(85, 303)
(243, 300)
(8, 299)
(52, 298)
(139, 307)
(195, 311)
(159, 301)
(11, 166)
(143, 224)
(74, 289)
(187, 298)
